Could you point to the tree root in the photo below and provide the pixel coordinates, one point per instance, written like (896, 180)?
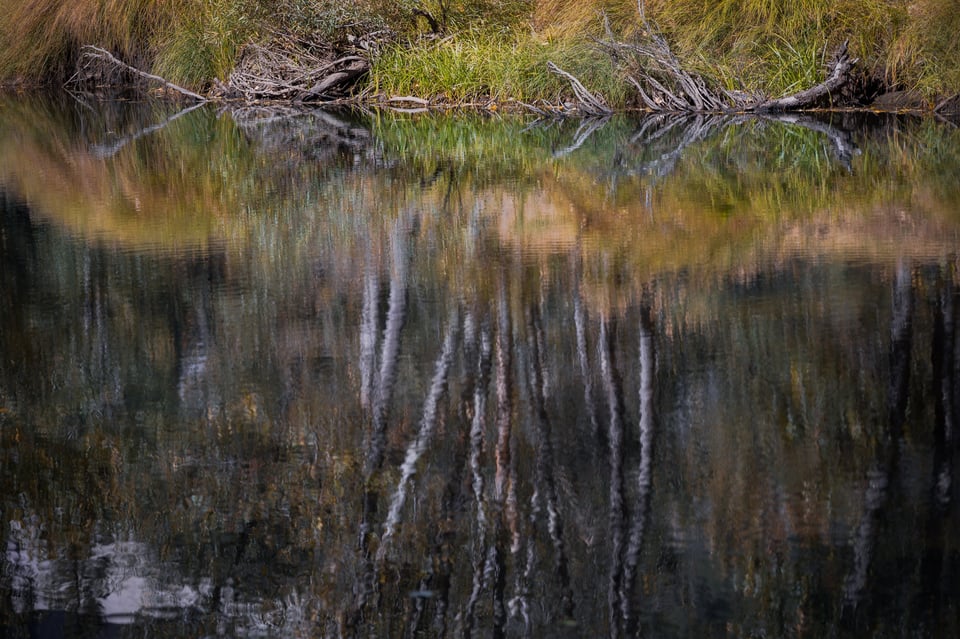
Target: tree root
(588, 103)
(660, 79)
(664, 85)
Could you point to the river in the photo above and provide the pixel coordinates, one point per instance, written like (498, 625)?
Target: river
(276, 373)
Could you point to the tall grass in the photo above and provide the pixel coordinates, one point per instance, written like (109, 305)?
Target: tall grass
(771, 46)
(497, 65)
(499, 48)
(40, 38)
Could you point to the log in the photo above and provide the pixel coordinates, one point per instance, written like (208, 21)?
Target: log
(817, 95)
(337, 78)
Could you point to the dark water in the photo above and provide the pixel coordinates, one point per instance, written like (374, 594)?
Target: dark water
(279, 374)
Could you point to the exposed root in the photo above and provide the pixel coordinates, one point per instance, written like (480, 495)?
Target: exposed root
(660, 79)
(588, 103)
(664, 85)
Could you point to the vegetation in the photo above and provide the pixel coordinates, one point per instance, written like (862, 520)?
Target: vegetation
(457, 51)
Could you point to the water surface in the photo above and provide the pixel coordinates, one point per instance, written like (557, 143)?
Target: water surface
(311, 374)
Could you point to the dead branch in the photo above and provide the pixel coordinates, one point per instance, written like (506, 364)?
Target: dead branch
(814, 96)
(660, 79)
(90, 54)
(664, 85)
(291, 69)
(589, 104)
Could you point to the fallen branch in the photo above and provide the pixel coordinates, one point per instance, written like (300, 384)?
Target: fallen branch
(589, 104)
(814, 96)
(90, 53)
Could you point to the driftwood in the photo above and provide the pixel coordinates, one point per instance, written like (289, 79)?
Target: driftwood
(290, 69)
(660, 79)
(589, 104)
(664, 85)
(93, 60)
(814, 96)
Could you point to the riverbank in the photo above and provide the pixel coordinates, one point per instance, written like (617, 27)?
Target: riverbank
(492, 54)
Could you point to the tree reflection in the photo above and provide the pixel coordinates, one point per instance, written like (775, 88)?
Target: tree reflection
(390, 416)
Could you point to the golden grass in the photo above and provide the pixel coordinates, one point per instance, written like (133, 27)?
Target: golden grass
(768, 45)
(40, 38)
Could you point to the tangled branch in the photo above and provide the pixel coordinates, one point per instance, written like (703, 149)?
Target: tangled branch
(294, 70)
(658, 76)
(589, 104)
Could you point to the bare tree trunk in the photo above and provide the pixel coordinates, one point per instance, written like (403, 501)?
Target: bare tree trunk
(368, 339)
(935, 568)
(544, 482)
(504, 386)
(381, 391)
(480, 552)
(396, 316)
(504, 493)
(580, 322)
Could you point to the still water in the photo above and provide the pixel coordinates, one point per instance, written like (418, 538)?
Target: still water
(319, 375)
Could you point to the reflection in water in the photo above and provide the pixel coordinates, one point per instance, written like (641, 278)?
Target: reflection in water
(472, 378)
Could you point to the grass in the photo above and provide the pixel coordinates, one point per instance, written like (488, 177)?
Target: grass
(40, 38)
(771, 46)
(492, 65)
(497, 49)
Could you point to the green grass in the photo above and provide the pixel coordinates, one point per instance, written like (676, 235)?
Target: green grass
(205, 43)
(497, 65)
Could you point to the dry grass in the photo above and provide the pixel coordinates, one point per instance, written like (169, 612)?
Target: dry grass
(770, 46)
(40, 39)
